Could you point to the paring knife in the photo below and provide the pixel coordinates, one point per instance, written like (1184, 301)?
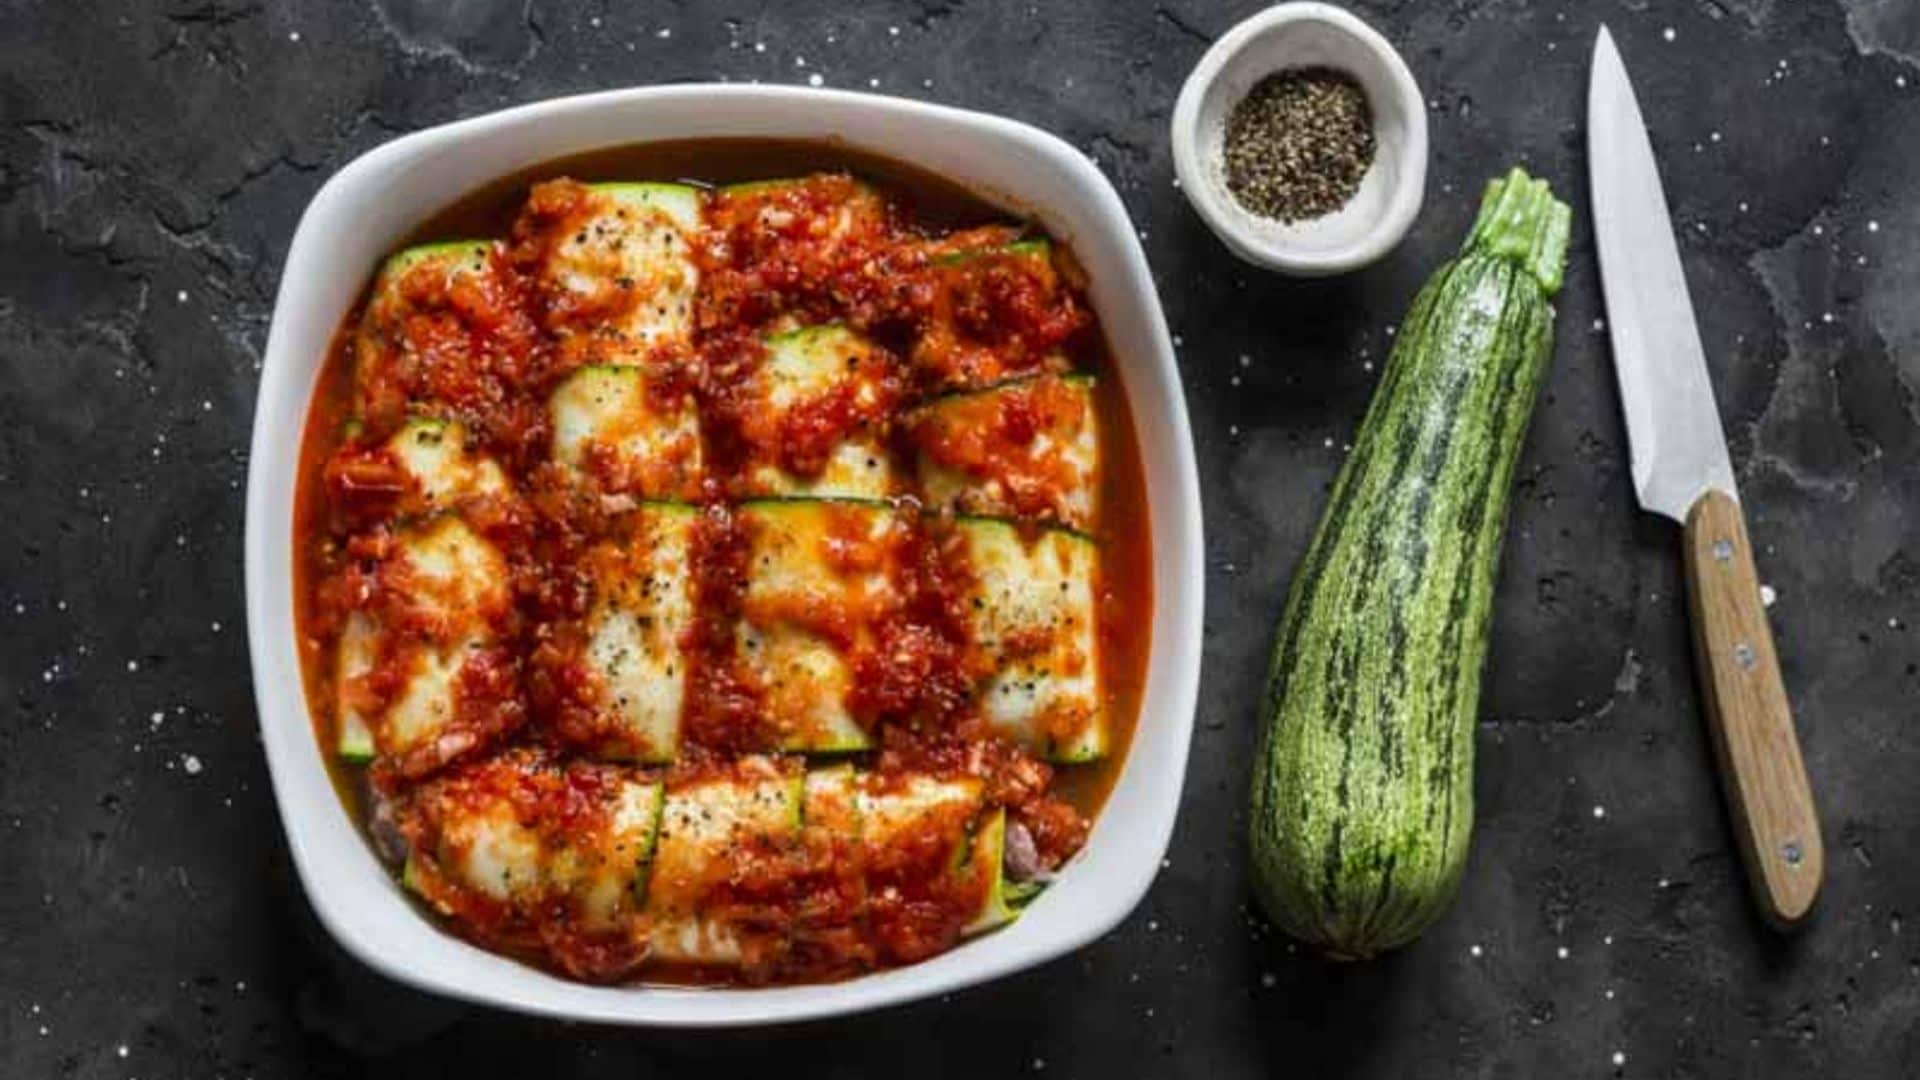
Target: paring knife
(1681, 469)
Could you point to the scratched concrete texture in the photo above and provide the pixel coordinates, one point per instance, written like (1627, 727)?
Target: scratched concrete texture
(155, 157)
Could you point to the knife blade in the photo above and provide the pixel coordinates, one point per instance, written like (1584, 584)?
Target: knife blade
(1681, 469)
(1673, 427)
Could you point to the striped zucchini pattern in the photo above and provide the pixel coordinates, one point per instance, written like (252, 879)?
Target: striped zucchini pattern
(1362, 798)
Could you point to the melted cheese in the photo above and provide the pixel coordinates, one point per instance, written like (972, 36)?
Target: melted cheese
(1054, 474)
(354, 658)
(802, 367)
(1035, 623)
(707, 827)
(452, 587)
(857, 468)
(642, 609)
(803, 682)
(494, 854)
(454, 258)
(803, 364)
(515, 831)
(601, 867)
(814, 567)
(604, 419)
(389, 307)
(897, 812)
(449, 574)
(893, 809)
(383, 334)
(631, 254)
(439, 468)
(856, 208)
(832, 803)
(426, 704)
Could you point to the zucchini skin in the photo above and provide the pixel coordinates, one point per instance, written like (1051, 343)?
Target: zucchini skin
(1362, 795)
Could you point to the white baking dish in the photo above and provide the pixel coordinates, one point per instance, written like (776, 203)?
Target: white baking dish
(367, 208)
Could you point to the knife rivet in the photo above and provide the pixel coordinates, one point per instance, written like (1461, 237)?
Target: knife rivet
(1791, 851)
(1743, 654)
(1723, 550)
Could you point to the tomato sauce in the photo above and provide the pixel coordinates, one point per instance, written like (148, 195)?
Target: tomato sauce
(886, 255)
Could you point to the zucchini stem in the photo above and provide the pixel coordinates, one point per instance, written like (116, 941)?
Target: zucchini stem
(1522, 222)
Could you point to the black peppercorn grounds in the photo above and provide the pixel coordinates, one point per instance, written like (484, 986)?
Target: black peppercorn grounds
(1298, 144)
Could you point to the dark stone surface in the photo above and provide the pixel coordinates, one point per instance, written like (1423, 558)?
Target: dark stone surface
(154, 159)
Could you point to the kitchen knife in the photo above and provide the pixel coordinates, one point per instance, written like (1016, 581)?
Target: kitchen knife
(1681, 469)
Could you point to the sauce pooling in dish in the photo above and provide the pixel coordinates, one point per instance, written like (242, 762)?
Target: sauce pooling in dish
(723, 584)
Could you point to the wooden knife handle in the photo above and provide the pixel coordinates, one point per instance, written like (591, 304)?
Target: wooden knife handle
(1760, 764)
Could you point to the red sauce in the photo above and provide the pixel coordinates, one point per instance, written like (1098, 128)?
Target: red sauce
(725, 714)
(486, 350)
(470, 344)
(999, 436)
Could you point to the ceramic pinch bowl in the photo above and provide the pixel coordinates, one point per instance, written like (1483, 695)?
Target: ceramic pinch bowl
(1304, 35)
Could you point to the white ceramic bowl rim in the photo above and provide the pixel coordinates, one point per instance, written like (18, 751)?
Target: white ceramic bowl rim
(370, 205)
(1260, 242)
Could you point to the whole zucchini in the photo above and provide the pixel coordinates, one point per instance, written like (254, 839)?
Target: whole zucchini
(1363, 781)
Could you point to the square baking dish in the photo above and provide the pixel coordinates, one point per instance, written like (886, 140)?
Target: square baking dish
(366, 209)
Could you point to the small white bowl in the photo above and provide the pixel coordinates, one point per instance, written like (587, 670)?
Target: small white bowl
(1389, 197)
(373, 203)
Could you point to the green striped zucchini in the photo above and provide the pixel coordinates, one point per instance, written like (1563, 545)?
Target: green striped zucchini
(1362, 795)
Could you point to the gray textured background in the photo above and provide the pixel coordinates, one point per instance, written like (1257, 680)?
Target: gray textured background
(154, 160)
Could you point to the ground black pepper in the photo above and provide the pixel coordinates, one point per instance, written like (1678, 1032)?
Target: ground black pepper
(1298, 143)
